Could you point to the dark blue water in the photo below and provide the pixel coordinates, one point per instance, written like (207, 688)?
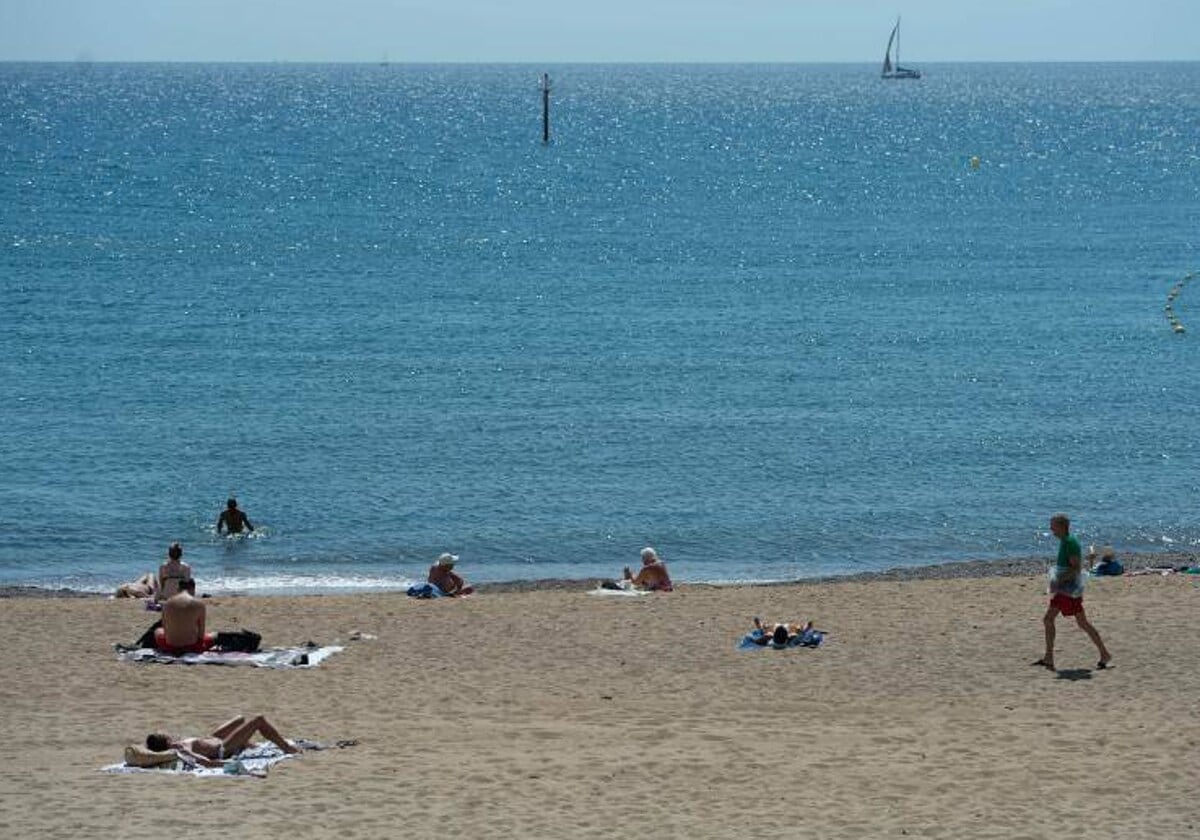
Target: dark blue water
(768, 319)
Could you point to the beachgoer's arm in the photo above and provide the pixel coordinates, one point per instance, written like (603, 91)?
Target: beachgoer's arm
(1072, 574)
(220, 522)
(246, 519)
(196, 758)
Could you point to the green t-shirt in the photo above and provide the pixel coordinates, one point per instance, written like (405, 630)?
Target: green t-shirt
(1068, 547)
(1068, 581)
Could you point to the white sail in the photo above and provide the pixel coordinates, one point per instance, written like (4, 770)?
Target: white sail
(887, 54)
(895, 70)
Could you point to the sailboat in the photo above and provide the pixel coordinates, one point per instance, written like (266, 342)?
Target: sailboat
(895, 71)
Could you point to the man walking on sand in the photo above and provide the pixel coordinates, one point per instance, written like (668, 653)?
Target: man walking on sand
(1066, 593)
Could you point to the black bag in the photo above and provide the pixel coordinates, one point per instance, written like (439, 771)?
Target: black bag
(246, 641)
(147, 639)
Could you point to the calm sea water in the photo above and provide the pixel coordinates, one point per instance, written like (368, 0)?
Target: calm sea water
(768, 319)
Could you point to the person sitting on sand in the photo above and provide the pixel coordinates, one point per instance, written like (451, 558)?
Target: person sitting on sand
(653, 575)
(183, 619)
(229, 739)
(441, 575)
(172, 572)
(233, 520)
(144, 587)
(1108, 565)
(779, 634)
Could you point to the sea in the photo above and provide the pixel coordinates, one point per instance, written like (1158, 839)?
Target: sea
(777, 321)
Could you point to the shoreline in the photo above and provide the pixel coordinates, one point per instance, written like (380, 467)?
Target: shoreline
(953, 570)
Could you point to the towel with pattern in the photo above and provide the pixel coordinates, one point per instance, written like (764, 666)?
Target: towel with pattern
(252, 762)
(304, 656)
(757, 640)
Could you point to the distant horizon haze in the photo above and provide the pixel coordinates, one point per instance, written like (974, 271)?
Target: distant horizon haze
(618, 32)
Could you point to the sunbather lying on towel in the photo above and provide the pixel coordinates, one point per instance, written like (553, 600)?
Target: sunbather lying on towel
(229, 739)
(779, 634)
(145, 587)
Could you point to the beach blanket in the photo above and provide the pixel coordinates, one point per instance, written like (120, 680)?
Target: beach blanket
(619, 593)
(809, 639)
(304, 656)
(252, 762)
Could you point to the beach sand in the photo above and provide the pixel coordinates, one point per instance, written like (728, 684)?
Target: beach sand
(552, 713)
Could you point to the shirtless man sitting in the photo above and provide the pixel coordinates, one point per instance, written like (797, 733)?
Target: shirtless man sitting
(443, 576)
(183, 619)
(227, 741)
(653, 574)
(233, 520)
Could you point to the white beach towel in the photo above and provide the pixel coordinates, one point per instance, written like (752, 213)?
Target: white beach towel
(252, 762)
(623, 592)
(293, 657)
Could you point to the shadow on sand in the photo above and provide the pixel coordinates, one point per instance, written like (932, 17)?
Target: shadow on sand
(1074, 674)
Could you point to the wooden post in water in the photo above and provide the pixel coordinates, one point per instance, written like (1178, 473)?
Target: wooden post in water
(545, 108)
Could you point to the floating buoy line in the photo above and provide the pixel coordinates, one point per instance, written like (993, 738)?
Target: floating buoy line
(1172, 318)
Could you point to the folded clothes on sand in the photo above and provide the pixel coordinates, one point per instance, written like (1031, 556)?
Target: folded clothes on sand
(304, 656)
(251, 762)
(425, 590)
(756, 640)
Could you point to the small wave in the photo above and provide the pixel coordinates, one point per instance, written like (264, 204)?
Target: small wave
(299, 584)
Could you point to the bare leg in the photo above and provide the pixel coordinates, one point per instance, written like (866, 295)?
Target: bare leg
(237, 740)
(1048, 624)
(1094, 635)
(228, 726)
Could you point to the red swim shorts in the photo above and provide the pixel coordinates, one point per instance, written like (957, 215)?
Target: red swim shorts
(1066, 604)
(160, 642)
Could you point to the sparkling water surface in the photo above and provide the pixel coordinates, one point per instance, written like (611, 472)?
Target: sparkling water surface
(772, 320)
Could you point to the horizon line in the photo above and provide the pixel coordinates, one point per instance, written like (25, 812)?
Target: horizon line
(532, 63)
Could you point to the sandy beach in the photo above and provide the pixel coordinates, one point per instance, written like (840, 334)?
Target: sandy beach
(547, 712)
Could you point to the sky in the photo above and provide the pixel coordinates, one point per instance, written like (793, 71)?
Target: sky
(586, 31)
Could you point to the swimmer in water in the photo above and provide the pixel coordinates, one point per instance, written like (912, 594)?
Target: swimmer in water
(232, 520)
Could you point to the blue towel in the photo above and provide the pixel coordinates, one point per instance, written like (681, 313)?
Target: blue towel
(809, 638)
(425, 590)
